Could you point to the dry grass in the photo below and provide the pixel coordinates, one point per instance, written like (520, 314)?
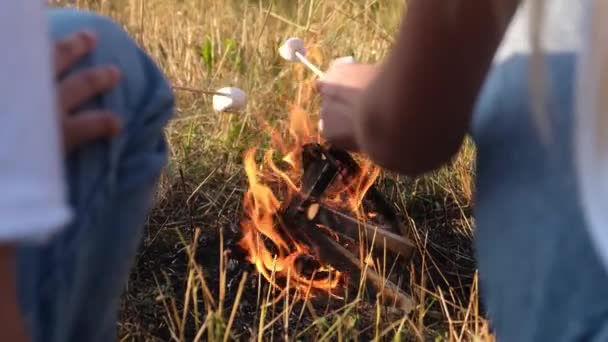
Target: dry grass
(183, 287)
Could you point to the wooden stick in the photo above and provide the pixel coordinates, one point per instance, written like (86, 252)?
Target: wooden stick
(200, 91)
(310, 66)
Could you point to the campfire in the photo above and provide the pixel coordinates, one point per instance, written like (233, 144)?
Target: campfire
(314, 223)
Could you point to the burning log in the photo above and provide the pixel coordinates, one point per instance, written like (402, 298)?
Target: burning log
(285, 237)
(318, 174)
(330, 252)
(373, 198)
(349, 226)
(389, 291)
(321, 167)
(323, 164)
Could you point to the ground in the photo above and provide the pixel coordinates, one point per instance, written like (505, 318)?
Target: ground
(182, 287)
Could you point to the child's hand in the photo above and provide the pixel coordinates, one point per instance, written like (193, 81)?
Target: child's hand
(74, 90)
(341, 91)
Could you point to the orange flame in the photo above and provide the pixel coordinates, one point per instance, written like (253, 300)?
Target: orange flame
(276, 256)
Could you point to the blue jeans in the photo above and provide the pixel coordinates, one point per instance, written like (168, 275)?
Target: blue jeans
(540, 277)
(70, 289)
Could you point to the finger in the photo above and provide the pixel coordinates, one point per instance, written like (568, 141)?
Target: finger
(89, 126)
(338, 93)
(331, 90)
(80, 87)
(337, 129)
(69, 50)
(334, 74)
(334, 112)
(319, 85)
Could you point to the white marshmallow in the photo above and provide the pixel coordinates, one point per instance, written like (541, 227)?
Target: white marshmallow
(290, 47)
(235, 99)
(344, 60)
(320, 125)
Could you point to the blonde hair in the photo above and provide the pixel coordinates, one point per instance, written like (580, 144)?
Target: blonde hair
(537, 71)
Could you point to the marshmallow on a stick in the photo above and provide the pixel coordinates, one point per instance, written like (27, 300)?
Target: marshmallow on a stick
(229, 99)
(293, 50)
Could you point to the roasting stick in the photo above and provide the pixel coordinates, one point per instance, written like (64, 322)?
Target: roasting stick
(199, 91)
(227, 99)
(310, 66)
(293, 50)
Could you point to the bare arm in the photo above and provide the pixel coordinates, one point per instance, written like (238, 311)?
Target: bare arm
(417, 111)
(11, 323)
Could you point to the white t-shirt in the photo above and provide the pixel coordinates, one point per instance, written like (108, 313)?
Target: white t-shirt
(561, 30)
(32, 186)
(592, 153)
